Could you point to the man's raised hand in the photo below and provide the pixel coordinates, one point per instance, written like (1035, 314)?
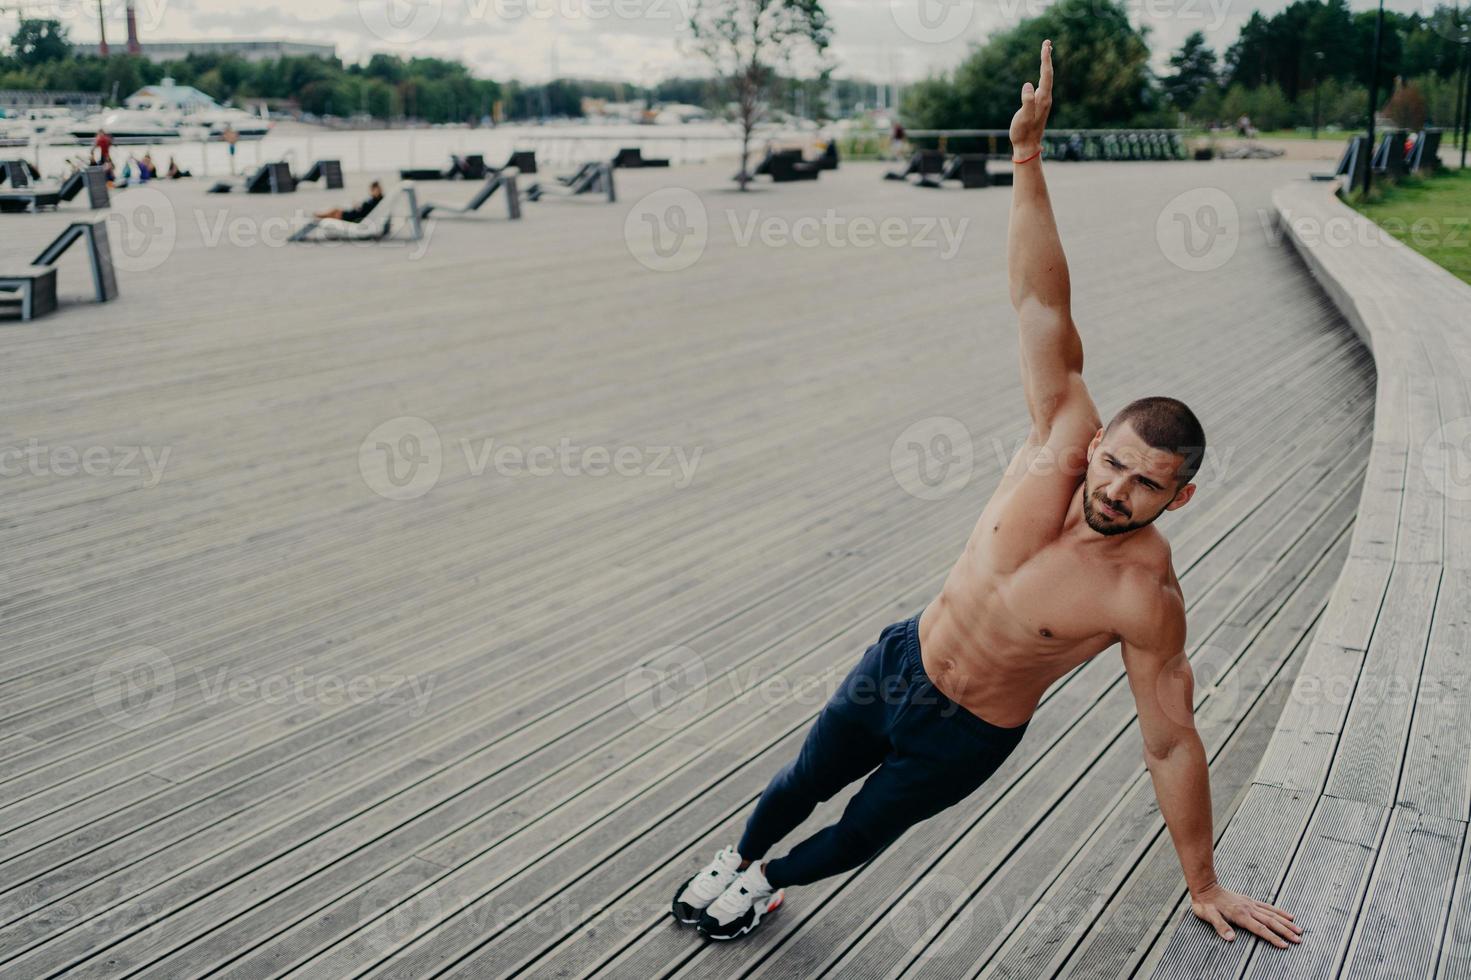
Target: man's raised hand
(1030, 120)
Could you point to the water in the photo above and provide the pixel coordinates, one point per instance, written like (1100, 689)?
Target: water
(379, 151)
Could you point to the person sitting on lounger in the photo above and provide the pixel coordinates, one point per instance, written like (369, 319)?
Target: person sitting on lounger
(174, 172)
(375, 194)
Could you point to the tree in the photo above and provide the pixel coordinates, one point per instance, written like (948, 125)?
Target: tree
(1106, 80)
(1194, 71)
(748, 42)
(35, 42)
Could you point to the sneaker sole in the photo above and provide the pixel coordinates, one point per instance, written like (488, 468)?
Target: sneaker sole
(779, 897)
(698, 912)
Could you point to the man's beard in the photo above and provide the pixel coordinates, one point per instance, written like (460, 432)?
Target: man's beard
(1101, 522)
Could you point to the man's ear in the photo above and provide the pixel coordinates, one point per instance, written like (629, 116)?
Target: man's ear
(1182, 497)
(1093, 446)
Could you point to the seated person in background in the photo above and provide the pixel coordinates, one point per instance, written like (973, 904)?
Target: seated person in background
(146, 168)
(375, 194)
(174, 172)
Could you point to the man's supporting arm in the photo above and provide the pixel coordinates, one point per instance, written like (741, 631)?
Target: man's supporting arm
(1164, 693)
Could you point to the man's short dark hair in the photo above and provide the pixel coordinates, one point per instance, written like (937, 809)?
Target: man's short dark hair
(1168, 424)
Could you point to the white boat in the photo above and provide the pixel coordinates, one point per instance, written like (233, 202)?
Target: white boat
(169, 112)
(128, 126)
(14, 133)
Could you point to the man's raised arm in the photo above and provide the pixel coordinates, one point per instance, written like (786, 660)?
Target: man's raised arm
(1051, 350)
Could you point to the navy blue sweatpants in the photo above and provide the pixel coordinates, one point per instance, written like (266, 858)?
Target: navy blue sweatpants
(925, 752)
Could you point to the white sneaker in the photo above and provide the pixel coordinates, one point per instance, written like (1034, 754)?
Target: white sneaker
(742, 906)
(695, 895)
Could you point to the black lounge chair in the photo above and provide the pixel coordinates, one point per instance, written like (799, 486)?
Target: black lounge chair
(590, 178)
(632, 157)
(36, 283)
(26, 196)
(1425, 155)
(20, 172)
(922, 163)
(327, 171)
(423, 174)
(1351, 164)
(784, 166)
(969, 169)
(829, 158)
(1389, 158)
(493, 183)
(270, 178)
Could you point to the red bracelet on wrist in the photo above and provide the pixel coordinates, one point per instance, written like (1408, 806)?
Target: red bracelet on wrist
(1030, 158)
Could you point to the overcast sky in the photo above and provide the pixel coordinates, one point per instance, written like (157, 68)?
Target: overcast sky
(634, 40)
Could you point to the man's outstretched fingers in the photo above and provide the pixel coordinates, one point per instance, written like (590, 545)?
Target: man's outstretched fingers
(1289, 929)
(1046, 83)
(1265, 930)
(1223, 928)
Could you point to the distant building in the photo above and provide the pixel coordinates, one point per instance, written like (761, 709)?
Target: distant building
(249, 50)
(170, 96)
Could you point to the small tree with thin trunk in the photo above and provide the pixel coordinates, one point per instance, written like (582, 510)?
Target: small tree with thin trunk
(747, 42)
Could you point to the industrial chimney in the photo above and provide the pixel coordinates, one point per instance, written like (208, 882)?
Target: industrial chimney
(133, 46)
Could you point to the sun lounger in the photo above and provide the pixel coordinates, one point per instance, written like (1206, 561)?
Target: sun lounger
(492, 184)
(922, 163)
(1425, 155)
(270, 178)
(632, 157)
(1351, 164)
(1389, 158)
(376, 228)
(590, 178)
(36, 283)
(327, 171)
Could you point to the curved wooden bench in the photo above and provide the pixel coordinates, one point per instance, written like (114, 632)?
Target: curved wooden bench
(1356, 818)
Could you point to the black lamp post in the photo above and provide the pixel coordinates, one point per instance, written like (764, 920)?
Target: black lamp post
(1460, 85)
(1317, 91)
(1373, 97)
(1465, 107)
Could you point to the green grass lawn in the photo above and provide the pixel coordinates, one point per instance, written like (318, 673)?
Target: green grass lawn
(1432, 216)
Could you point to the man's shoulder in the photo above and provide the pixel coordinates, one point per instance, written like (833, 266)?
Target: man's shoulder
(1150, 598)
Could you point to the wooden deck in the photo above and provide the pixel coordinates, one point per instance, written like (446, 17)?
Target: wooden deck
(571, 687)
(1358, 816)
